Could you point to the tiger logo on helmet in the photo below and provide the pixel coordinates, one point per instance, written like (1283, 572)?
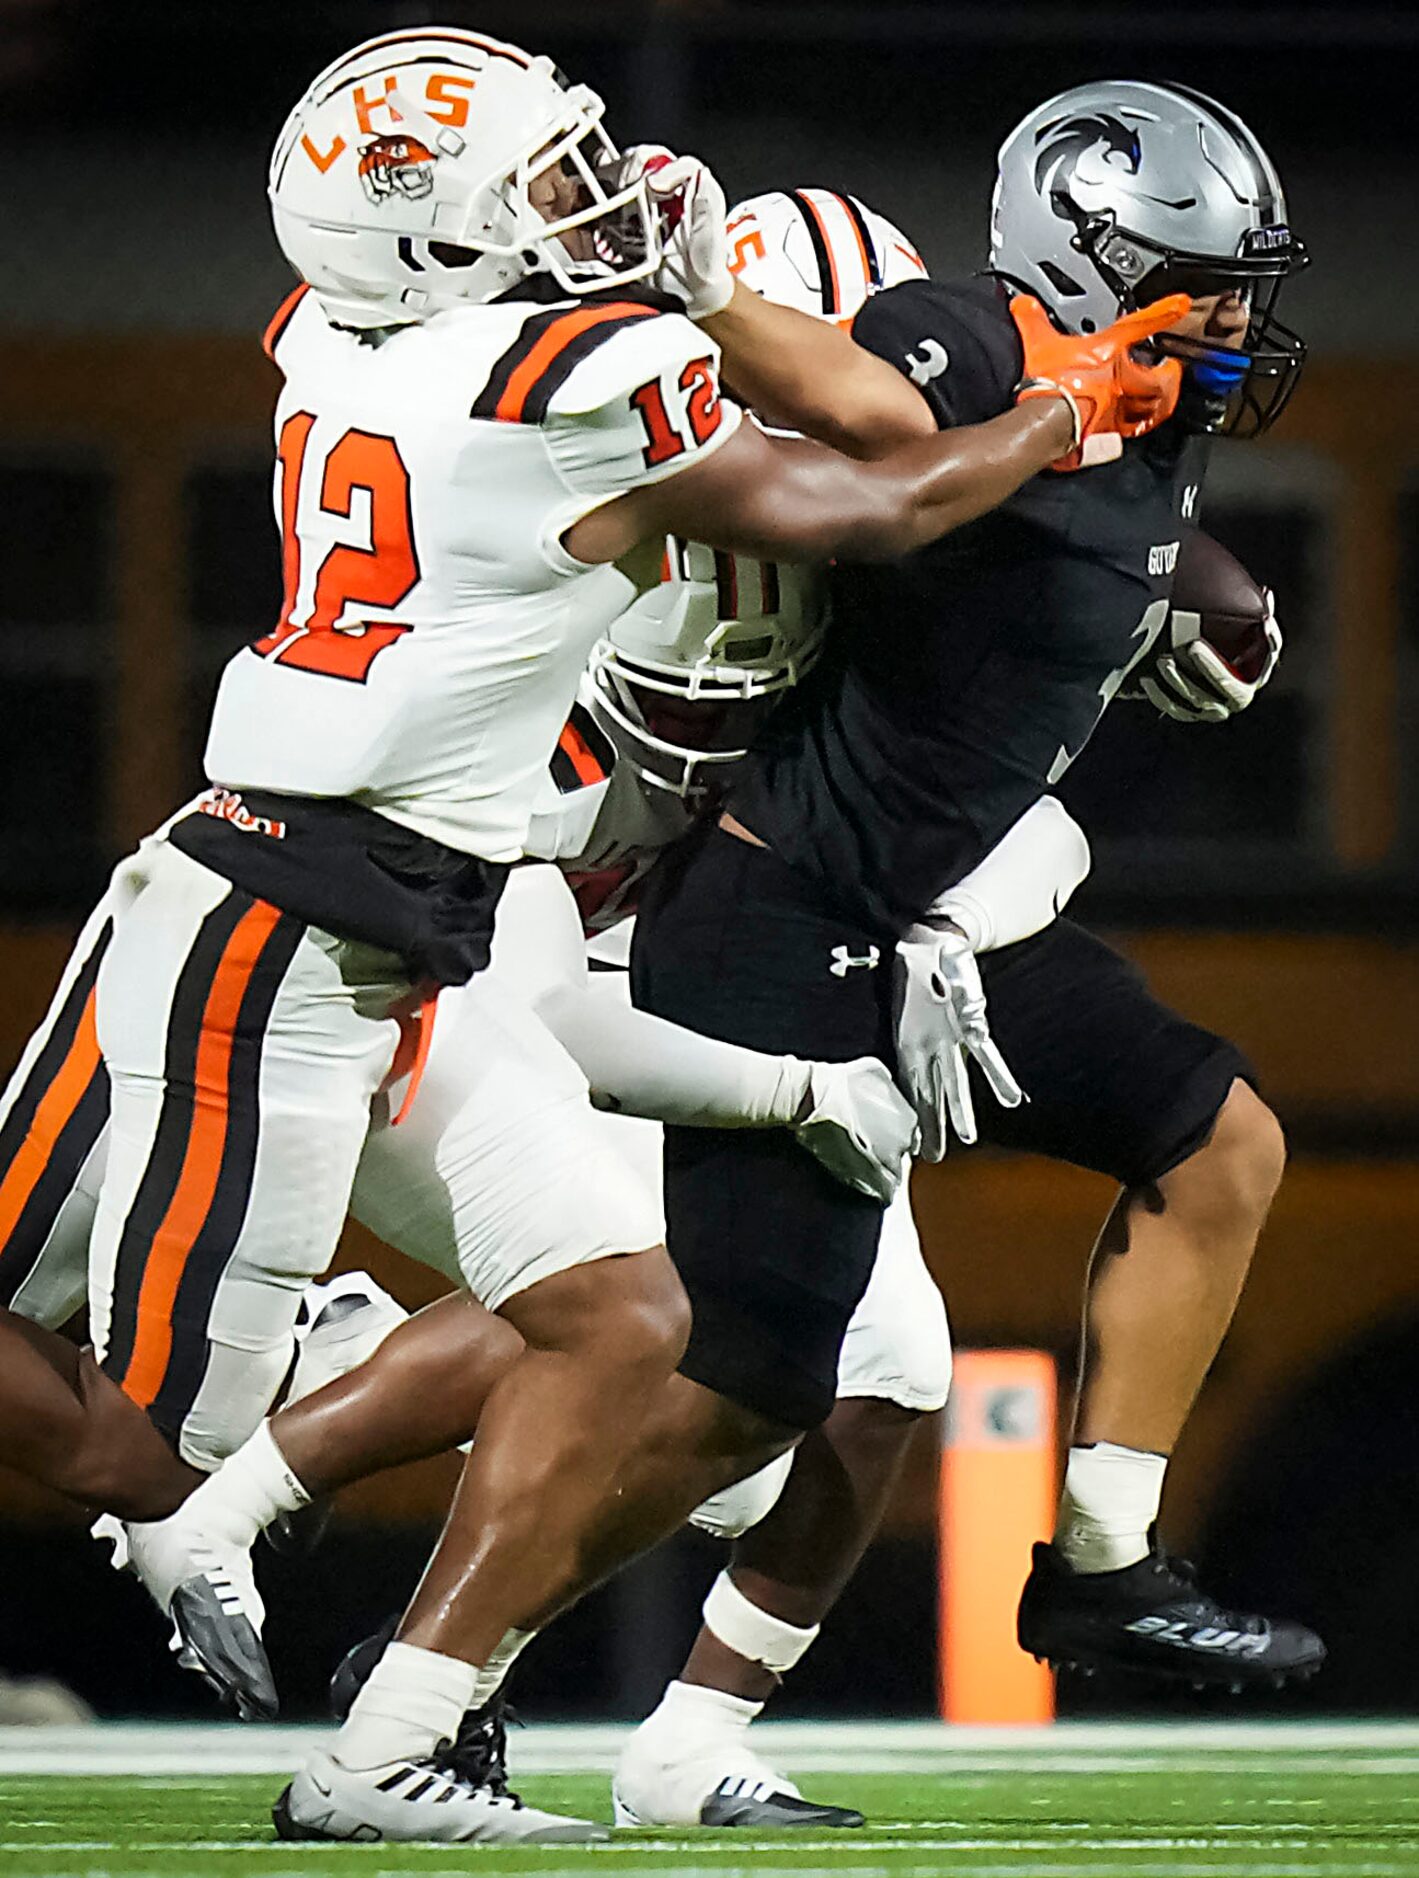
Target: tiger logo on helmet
(391, 167)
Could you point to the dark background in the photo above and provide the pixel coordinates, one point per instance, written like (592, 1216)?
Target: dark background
(1264, 872)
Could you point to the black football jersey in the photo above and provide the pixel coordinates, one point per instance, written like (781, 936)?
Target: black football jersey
(960, 683)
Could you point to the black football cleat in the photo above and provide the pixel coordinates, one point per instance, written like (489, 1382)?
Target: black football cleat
(296, 1535)
(479, 1751)
(353, 1670)
(751, 1803)
(1152, 1619)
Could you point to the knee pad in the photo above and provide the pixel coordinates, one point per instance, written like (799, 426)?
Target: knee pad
(731, 1512)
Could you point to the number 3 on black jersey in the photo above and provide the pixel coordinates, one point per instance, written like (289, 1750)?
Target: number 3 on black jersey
(382, 575)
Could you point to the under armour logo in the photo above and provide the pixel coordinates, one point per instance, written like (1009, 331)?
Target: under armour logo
(1189, 501)
(932, 363)
(845, 960)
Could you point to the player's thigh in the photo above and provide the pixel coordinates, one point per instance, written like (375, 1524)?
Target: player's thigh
(898, 1345)
(502, 1174)
(1116, 1081)
(774, 1253)
(244, 1050)
(53, 1131)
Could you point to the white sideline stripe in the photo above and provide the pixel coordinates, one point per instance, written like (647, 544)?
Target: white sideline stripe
(742, 1845)
(1248, 1748)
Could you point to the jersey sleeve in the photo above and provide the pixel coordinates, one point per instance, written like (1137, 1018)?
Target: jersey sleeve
(957, 344)
(642, 406)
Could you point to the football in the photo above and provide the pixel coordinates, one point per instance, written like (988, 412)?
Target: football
(1231, 607)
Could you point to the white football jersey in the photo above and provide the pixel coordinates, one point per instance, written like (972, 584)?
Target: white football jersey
(434, 627)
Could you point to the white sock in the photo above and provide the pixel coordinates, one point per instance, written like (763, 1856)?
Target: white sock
(1110, 1500)
(493, 1674)
(690, 1708)
(414, 1699)
(248, 1491)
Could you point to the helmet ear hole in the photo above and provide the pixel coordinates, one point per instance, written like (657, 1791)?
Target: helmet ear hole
(1066, 284)
(447, 254)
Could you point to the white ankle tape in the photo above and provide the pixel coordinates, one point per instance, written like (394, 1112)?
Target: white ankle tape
(752, 1633)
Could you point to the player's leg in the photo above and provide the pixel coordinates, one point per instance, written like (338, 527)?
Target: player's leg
(62, 1422)
(1120, 1084)
(243, 1052)
(420, 1393)
(1166, 1275)
(541, 1208)
(53, 1140)
(66, 1425)
(692, 1760)
(506, 1162)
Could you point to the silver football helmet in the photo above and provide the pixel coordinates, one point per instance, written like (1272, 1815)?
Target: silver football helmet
(1117, 192)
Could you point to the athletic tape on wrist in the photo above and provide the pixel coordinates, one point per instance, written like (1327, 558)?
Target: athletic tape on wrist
(752, 1633)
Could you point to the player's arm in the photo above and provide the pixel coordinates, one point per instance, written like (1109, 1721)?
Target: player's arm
(803, 373)
(808, 375)
(797, 373)
(690, 467)
(1027, 878)
(849, 1116)
(787, 499)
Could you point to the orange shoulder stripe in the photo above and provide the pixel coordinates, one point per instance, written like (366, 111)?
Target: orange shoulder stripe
(550, 346)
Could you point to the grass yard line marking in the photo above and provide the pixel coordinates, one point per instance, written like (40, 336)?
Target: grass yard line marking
(37, 1758)
(1174, 1867)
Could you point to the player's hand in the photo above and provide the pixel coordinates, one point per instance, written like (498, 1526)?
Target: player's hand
(1194, 683)
(693, 213)
(941, 1024)
(857, 1125)
(1111, 393)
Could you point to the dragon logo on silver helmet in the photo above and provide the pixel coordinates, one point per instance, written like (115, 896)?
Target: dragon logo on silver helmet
(1117, 192)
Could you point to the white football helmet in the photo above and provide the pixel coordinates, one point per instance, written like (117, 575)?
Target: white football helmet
(400, 183)
(818, 251)
(719, 629)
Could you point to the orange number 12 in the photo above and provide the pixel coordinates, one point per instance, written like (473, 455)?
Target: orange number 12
(382, 575)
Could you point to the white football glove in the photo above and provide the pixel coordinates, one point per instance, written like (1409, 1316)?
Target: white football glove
(693, 213)
(856, 1124)
(941, 1023)
(1194, 683)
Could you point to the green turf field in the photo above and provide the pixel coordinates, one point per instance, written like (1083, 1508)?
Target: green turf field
(1089, 1801)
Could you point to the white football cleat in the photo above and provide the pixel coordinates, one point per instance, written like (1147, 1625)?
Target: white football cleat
(344, 1322)
(708, 1782)
(413, 1801)
(340, 1324)
(205, 1584)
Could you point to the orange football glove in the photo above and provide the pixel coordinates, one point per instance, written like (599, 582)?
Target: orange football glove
(1111, 394)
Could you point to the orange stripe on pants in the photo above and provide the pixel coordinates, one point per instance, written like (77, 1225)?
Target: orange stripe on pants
(56, 1106)
(202, 1158)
